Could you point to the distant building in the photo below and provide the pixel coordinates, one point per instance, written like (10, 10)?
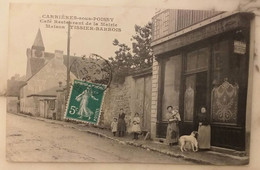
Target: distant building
(45, 75)
(202, 60)
(13, 93)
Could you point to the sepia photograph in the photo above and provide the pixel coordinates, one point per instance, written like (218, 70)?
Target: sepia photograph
(129, 85)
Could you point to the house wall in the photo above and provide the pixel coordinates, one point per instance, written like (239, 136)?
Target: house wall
(49, 76)
(30, 105)
(12, 104)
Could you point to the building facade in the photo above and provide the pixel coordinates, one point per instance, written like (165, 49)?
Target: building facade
(46, 72)
(201, 59)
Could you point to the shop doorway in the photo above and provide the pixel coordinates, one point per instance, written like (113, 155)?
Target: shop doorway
(195, 97)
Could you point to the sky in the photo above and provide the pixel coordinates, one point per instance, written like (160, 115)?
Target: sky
(24, 22)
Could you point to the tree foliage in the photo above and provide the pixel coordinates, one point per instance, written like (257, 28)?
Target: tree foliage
(142, 46)
(127, 60)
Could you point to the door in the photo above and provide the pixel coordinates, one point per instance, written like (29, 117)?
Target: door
(195, 90)
(200, 98)
(42, 109)
(195, 97)
(143, 100)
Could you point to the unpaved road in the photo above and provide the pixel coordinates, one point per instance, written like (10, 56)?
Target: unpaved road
(32, 140)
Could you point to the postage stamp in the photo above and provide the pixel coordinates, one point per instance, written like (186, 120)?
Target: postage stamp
(85, 102)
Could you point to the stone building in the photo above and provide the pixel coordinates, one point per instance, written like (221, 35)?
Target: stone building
(13, 94)
(201, 59)
(46, 72)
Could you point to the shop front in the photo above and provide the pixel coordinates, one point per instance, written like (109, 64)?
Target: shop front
(206, 67)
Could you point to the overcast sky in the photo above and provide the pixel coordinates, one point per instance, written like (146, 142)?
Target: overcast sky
(25, 21)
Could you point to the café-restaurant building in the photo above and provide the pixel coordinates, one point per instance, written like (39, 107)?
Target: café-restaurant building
(201, 59)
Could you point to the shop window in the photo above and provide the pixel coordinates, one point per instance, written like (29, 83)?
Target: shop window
(197, 60)
(191, 61)
(203, 55)
(171, 88)
(220, 61)
(189, 98)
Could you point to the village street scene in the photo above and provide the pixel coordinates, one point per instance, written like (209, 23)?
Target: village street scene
(175, 91)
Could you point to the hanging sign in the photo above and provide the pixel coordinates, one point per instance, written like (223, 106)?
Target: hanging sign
(239, 47)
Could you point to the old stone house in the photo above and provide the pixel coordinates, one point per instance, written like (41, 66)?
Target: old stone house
(46, 72)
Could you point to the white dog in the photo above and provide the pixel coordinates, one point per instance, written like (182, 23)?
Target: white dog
(189, 139)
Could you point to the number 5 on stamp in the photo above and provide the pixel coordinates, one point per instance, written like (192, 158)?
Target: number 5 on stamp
(85, 102)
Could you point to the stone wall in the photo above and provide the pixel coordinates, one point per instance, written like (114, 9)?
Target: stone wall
(118, 96)
(134, 95)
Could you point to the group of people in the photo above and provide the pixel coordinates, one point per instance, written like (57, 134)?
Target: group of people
(172, 135)
(118, 125)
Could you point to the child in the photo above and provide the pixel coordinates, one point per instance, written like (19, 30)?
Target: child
(114, 126)
(136, 129)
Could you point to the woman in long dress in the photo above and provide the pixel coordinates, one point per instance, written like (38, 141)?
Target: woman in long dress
(204, 130)
(121, 125)
(83, 98)
(172, 135)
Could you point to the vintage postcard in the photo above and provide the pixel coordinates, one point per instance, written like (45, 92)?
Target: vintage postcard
(129, 85)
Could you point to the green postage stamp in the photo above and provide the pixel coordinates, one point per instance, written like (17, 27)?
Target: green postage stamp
(85, 102)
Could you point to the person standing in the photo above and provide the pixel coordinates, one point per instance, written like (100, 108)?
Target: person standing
(136, 129)
(172, 135)
(204, 130)
(114, 126)
(121, 125)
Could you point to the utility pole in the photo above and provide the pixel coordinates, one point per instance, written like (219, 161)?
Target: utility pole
(68, 61)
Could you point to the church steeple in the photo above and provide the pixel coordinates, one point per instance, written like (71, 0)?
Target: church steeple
(38, 42)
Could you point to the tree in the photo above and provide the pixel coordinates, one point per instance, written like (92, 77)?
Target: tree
(125, 60)
(122, 62)
(143, 56)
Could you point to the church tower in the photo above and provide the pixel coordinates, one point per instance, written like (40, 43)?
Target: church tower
(38, 46)
(35, 56)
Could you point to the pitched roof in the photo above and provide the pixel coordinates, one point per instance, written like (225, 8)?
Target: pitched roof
(38, 42)
(52, 92)
(48, 56)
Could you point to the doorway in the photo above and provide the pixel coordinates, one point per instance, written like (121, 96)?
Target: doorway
(200, 98)
(195, 97)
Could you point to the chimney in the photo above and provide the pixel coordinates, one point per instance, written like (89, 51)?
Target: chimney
(58, 54)
(60, 84)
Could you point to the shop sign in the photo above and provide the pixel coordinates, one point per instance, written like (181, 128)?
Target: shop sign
(239, 47)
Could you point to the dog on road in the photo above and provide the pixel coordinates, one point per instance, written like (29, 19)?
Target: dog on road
(189, 139)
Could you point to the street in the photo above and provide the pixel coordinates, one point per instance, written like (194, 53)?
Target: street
(32, 140)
